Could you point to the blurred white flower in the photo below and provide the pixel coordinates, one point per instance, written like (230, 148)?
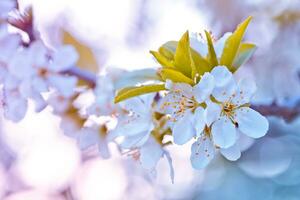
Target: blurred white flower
(104, 97)
(39, 69)
(28, 72)
(136, 124)
(136, 129)
(94, 135)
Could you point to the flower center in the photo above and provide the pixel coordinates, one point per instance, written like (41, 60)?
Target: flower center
(180, 104)
(228, 109)
(43, 72)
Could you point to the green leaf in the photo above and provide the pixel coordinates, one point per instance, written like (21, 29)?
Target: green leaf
(232, 44)
(183, 60)
(137, 77)
(175, 76)
(244, 53)
(164, 61)
(212, 57)
(130, 92)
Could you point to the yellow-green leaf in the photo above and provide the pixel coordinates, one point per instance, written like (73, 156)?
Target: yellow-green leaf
(171, 46)
(212, 57)
(87, 59)
(166, 53)
(182, 58)
(232, 44)
(130, 92)
(201, 64)
(175, 76)
(244, 53)
(137, 77)
(161, 59)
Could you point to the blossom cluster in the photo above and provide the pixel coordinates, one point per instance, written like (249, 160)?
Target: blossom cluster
(214, 112)
(28, 72)
(193, 96)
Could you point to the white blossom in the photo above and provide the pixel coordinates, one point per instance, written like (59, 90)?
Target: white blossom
(104, 97)
(135, 127)
(29, 72)
(94, 135)
(182, 102)
(226, 116)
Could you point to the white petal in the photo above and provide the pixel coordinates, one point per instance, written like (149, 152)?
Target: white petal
(182, 89)
(219, 46)
(221, 75)
(38, 54)
(136, 140)
(204, 88)
(11, 82)
(39, 84)
(129, 126)
(246, 89)
(251, 122)
(225, 92)
(172, 174)
(64, 58)
(87, 137)
(232, 153)
(15, 108)
(202, 152)
(140, 105)
(64, 84)
(169, 103)
(39, 101)
(224, 133)
(25, 88)
(9, 45)
(245, 142)
(198, 44)
(168, 84)
(103, 148)
(150, 153)
(21, 66)
(199, 120)
(183, 129)
(212, 112)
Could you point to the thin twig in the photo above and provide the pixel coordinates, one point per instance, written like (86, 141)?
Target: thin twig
(84, 75)
(26, 24)
(287, 113)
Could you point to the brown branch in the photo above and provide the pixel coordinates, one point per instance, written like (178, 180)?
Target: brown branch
(84, 75)
(288, 114)
(25, 23)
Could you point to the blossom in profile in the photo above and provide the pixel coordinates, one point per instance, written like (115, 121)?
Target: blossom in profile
(94, 135)
(182, 102)
(141, 132)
